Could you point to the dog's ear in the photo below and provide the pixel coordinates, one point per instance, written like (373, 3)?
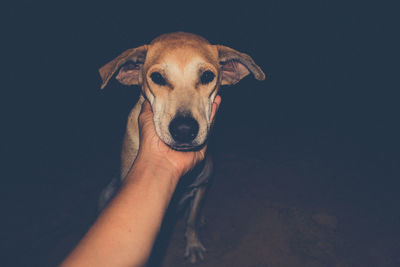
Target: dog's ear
(235, 66)
(130, 63)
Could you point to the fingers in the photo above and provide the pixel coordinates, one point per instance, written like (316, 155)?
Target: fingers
(215, 107)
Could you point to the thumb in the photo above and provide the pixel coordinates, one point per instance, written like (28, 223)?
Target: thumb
(146, 114)
(146, 107)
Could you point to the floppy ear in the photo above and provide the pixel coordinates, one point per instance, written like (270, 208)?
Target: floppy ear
(131, 61)
(235, 66)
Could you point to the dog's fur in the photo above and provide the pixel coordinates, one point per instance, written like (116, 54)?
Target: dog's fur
(181, 59)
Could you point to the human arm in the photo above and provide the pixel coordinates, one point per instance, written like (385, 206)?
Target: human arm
(124, 233)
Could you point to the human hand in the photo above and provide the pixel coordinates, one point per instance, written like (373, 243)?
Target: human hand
(156, 153)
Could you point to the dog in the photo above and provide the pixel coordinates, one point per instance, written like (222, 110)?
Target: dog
(180, 75)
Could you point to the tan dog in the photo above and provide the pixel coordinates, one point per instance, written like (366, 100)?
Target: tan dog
(180, 75)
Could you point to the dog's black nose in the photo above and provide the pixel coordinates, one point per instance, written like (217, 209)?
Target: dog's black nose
(184, 129)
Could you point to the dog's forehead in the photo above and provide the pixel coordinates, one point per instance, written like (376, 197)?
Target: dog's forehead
(180, 37)
(182, 49)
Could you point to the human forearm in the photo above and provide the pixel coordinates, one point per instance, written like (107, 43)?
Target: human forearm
(127, 228)
(124, 233)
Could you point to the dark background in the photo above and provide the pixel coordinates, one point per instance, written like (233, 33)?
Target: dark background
(332, 93)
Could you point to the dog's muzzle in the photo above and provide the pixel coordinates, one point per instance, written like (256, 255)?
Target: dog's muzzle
(183, 129)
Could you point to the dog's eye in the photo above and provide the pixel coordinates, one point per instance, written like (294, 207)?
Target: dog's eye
(157, 78)
(207, 77)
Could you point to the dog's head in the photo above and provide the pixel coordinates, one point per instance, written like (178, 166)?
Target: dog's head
(180, 74)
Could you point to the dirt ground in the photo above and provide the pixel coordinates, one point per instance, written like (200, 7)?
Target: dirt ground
(293, 210)
(296, 199)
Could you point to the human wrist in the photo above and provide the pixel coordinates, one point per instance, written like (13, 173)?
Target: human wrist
(158, 167)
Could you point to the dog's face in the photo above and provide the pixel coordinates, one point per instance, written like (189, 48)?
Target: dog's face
(180, 75)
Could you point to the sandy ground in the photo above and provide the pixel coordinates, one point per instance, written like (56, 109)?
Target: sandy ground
(302, 203)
